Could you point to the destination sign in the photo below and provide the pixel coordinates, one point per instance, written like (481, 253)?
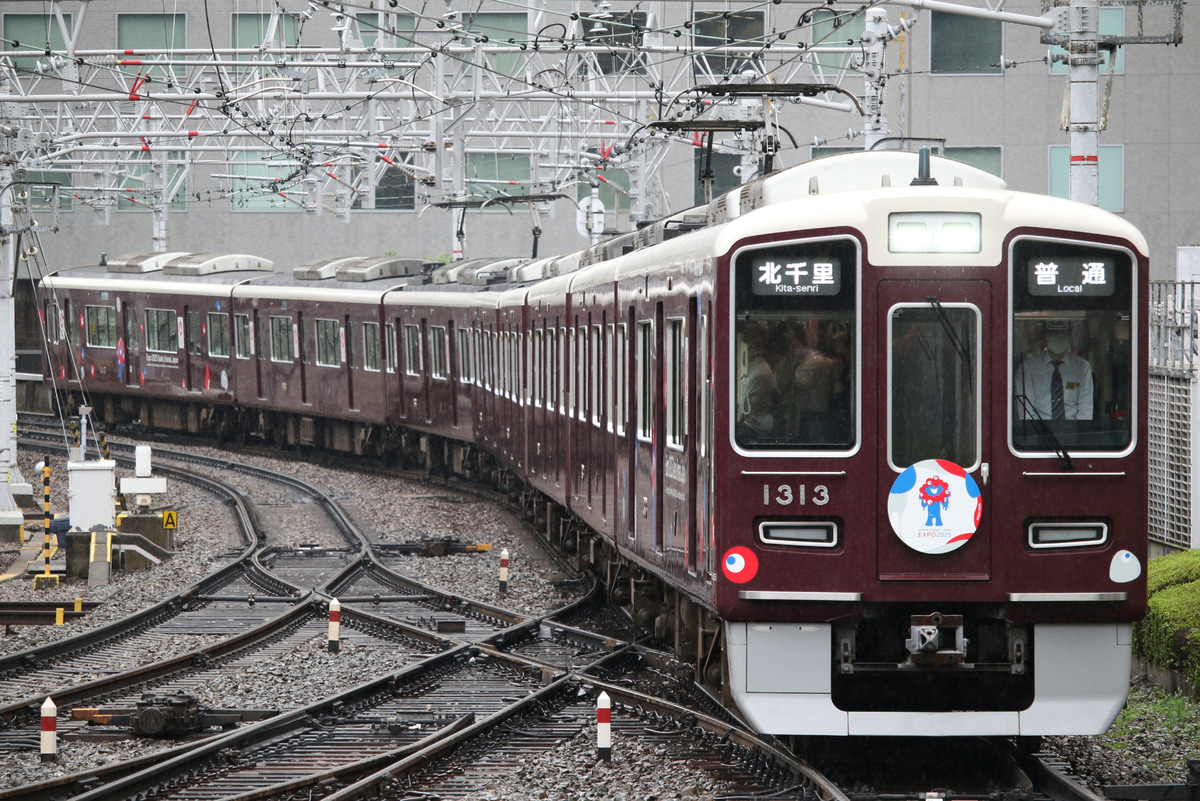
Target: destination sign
(776, 274)
(1089, 275)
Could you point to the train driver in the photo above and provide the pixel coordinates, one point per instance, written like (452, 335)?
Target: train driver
(1054, 383)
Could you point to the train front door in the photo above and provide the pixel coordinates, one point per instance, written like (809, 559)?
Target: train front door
(935, 337)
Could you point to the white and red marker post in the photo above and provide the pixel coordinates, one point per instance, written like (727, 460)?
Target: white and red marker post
(49, 731)
(335, 625)
(504, 571)
(604, 727)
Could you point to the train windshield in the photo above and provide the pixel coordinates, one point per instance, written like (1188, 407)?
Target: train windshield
(1072, 349)
(794, 349)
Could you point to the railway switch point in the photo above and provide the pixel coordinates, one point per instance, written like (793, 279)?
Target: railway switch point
(335, 621)
(49, 739)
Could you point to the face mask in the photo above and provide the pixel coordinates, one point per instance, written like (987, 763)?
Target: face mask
(1058, 343)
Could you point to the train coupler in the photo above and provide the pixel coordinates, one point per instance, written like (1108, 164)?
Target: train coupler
(936, 639)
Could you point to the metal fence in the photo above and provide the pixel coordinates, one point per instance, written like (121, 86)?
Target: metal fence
(1174, 329)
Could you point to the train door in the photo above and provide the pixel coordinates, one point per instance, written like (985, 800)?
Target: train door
(935, 449)
(300, 341)
(129, 347)
(346, 335)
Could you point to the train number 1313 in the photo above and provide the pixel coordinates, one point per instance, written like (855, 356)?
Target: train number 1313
(786, 495)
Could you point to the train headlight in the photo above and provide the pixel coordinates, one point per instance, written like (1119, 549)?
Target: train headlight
(1067, 535)
(934, 232)
(812, 534)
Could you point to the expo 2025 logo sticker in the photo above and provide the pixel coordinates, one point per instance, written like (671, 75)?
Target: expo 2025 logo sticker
(934, 506)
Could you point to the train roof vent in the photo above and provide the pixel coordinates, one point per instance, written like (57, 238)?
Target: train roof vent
(382, 267)
(140, 262)
(322, 268)
(212, 263)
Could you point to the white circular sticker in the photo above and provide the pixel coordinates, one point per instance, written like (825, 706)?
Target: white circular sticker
(934, 506)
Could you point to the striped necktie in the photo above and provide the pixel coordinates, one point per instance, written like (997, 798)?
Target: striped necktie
(1056, 393)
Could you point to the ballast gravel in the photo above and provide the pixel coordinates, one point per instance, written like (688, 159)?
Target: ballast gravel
(401, 510)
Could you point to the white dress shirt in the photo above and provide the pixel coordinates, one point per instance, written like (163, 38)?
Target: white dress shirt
(1032, 381)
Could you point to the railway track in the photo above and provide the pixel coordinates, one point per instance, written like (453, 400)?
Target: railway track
(485, 689)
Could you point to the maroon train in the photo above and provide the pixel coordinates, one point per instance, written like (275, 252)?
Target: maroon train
(870, 451)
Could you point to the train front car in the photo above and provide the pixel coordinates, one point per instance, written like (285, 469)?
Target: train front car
(930, 505)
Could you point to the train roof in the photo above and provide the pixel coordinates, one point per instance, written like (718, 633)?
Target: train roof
(162, 273)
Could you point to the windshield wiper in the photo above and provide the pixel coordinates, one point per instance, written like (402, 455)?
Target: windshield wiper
(960, 347)
(1044, 431)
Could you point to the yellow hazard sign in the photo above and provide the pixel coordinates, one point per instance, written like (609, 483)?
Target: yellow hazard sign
(171, 519)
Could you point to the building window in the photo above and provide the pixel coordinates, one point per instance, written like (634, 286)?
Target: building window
(487, 172)
(724, 179)
(1111, 179)
(500, 29)
(282, 340)
(328, 346)
(985, 158)
(162, 331)
(101, 326)
(258, 182)
(251, 30)
(836, 29)
(965, 45)
(218, 334)
(138, 32)
(36, 33)
(394, 188)
(244, 336)
(716, 30)
(1112, 23)
(622, 32)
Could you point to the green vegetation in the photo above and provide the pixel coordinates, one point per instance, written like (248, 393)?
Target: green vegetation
(1169, 636)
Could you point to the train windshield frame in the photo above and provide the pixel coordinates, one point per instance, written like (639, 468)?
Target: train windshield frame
(1072, 348)
(795, 352)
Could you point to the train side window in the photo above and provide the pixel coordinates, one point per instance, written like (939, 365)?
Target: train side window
(195, 333)
(328, 352)
(795, 351)
(621, 377)
(596, 375)
(218, 334)
(581, 372)
(536, 374)
(101, 326)
(162, 332)
(389, 342)
(413, 363)
(371, 347)
(282, 340)
(609, 394)
(243, 340)
(551, 368)
(645, 380)
(437, 352)
(466, 364)
(1072, 316)
(674, 364)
